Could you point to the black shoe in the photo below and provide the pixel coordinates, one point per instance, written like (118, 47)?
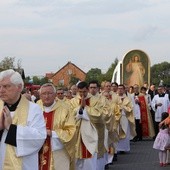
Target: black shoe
(114, 158)
(122, 152)
(106, 166)
(135, 139)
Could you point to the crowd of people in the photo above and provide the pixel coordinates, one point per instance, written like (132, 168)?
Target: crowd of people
(82, 128)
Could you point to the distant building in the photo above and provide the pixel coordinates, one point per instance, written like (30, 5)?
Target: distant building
(64, 75)
(49, 76)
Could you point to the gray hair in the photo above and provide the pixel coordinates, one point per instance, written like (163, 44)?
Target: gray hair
(15, 77)
(48, 85)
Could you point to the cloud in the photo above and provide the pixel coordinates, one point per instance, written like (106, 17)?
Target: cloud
(145, 33)
(81, 31)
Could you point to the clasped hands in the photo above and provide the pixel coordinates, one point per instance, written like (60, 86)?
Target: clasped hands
(5, 119)
(137, 101)
(159, 104)
(121, 108)
(82, 113)
(83, 102)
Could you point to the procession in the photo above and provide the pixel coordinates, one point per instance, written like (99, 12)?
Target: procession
(84, 85)
(83, 128)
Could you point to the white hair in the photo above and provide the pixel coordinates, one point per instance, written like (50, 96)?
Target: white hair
(15, 77)
(48, 85)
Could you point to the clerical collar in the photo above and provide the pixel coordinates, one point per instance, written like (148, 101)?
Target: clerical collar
(49, 108)
(13, 107)
(162, 95)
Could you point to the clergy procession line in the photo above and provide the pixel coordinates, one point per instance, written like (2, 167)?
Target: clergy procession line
(80, 129)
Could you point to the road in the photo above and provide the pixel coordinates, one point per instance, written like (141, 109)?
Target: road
(141, 157)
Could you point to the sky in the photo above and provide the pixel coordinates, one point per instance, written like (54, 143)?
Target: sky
(46, 34)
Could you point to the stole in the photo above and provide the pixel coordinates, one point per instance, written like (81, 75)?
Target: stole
(85, 152)
(45, 152)
(144, 116)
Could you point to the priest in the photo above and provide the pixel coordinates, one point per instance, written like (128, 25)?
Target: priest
(59, 147)
(22, 126)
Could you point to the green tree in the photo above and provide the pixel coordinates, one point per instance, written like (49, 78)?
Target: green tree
(44, 80)
(27, 79)
(36, 80)
(94, 74)
(108, 75)
(160, 72)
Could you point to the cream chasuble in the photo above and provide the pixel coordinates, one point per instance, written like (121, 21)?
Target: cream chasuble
(62, 142)
(98, 114)
(126, 106)
(30, 136)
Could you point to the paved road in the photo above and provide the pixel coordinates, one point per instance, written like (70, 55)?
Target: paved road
(141, 157)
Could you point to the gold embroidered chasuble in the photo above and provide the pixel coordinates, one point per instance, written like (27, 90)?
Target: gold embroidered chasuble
(65, 100)
(98, 112)
(115, 98)
(106, 122)
(63, 124)
(126, 105)
(112, 128)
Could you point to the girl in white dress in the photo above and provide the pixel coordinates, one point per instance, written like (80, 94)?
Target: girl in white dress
(162, 140)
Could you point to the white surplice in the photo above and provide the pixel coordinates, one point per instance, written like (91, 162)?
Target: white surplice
(160, 109)
(29, 139)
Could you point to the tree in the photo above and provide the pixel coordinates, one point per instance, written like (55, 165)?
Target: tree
(94, 74)
(160, 72)
(108, 75)
(36, 80)
(9, 63)
(44, 80)
(19, 66)
(27, 79)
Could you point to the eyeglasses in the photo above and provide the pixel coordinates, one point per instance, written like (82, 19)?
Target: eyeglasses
(47, 94)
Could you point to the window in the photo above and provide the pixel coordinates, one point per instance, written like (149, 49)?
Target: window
(69, 72)
(61, 82)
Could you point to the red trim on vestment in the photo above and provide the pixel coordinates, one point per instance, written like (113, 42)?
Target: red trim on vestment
(144, 116)
(87, 101)
(45, 152)
(85, 152)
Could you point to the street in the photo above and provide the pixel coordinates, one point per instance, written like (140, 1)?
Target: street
(141, 157)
